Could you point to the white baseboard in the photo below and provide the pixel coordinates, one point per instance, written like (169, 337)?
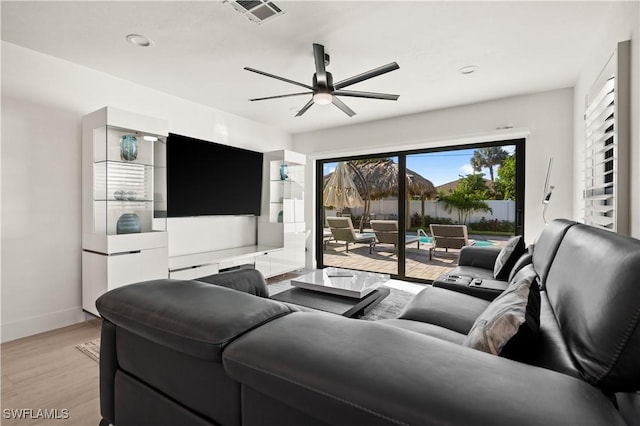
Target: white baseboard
(39, 324)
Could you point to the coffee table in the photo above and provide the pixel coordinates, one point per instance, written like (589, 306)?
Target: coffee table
(340, 291)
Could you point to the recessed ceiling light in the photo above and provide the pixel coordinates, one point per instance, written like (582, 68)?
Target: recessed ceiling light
(469, 69)
(139, 40)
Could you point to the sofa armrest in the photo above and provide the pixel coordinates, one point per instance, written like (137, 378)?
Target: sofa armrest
(343, 371)
(249, 281)
(480, 257)
(192, 317)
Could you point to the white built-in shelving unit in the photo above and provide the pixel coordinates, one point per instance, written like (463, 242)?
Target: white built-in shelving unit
(124, 238)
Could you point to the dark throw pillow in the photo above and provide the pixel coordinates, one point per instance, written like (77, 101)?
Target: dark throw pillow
(508, 257)
(509, 325)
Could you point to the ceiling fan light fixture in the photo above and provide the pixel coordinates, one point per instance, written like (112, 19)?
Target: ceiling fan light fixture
(322, 98)
(324, 91)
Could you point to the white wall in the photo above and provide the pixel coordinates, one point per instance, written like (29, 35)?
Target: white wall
(383, 208)
(624, 24)
(43, 101)
(545, 118)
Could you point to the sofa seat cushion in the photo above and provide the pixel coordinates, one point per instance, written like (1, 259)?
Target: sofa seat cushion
(445, 308)
(509, 325)
(426, 329)
(193, 317)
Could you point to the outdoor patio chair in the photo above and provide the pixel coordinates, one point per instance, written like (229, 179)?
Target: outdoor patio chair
(387, 233)
(448, 237)
(342, 230)
(326, 237)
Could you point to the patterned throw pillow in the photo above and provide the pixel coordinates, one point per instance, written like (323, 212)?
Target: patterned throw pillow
(511, 322)
(508, 257)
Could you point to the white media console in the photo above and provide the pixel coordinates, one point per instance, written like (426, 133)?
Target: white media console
(265, 259)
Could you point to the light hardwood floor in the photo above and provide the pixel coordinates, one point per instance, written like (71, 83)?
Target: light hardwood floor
(46, 371)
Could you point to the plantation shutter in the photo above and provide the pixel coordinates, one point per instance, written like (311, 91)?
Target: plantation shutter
(607, 128)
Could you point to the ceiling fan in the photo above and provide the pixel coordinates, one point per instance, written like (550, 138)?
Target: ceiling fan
(324, 91)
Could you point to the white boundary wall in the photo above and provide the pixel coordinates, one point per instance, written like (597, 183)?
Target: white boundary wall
(388, 207)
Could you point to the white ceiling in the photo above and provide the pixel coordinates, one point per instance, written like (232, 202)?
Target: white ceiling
(200, 50)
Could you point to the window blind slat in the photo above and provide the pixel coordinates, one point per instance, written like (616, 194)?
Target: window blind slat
(600, 117)
(600, 220)
(606, 145)
(600, 97)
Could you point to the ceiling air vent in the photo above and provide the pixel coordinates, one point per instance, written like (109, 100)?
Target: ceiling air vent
(258, 11)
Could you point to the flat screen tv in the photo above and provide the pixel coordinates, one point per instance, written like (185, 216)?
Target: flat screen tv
(206, 178)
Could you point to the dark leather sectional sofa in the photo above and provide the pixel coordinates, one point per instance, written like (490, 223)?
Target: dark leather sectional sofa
(193, 353)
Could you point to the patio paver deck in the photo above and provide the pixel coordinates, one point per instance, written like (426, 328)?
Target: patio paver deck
(383, 260)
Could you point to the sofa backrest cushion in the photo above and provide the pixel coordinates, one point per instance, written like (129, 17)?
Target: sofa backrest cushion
(249, 281)
(546, 246)
(593, 288)
(523, 261)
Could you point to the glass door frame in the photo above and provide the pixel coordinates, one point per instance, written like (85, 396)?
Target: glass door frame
(519, 144)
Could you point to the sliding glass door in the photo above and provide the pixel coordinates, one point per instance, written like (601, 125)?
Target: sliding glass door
(357, 195)
(474, 202)
(398, 203)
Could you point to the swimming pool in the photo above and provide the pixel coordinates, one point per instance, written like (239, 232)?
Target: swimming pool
(479, 243)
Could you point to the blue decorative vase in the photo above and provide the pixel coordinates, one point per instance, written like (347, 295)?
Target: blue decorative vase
(128, 223)
(128, 147)
(280, 216)
(284, 172)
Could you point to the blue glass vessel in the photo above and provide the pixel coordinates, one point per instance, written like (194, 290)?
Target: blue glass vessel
(128, 223)
(128, 147)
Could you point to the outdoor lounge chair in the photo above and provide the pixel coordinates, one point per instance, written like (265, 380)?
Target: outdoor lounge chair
(448, 237)
(387, 233)
(342, 230)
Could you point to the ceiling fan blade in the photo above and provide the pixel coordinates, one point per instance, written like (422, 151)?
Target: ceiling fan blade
(366, 75)
(337, 102)
(281, 96)
(321, 72)
(278, 78)
(305, 108)
(370, 95)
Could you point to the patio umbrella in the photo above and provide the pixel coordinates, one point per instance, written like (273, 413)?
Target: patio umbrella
(340, 191)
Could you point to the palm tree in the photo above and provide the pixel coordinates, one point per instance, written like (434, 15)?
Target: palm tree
(468, 197)
(489, 158)
(464, 204)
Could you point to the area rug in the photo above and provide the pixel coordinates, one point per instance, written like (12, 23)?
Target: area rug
(90, 349)
(390, 307)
